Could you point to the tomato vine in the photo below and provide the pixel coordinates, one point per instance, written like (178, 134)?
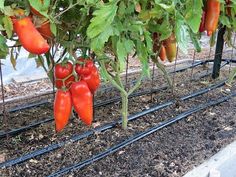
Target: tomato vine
(110, 31)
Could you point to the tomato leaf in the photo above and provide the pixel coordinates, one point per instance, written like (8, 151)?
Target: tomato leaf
(143, 57)
(3, 47)
(102, 19)
(97, 43)
(7, 23)
(13, 59)
(194, 14)
(195, 41)
(2, 5)
(121, 54)
(181, 33)
(53, 28)
(41, 6)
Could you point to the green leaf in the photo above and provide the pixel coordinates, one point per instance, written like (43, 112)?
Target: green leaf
(3, 47)
(31, 55)
(102, 19)
(97, 43)
(165, 29)
(2, 5)
(40, 6)
(213, 39)
(231, 76)
(194, 14)
(53, 28)
(121, 54)
(143, 57)
(195, 41)
(225, 21)
(7, 23)
(13, 59)
(39, 61)
(181, 32)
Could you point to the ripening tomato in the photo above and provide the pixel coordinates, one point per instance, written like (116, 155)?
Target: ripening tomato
(171, 47)
(29, 36)
(162, 53)
(84, 67)
(62, 71)
(82, 100)
(62, 109)
(45, 30)
(212, 16)
(202, 24)
(92, 79)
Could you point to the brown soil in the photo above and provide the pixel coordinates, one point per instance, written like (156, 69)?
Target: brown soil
(171, 151)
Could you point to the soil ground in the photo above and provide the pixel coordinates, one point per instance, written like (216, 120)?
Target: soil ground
(170, 152)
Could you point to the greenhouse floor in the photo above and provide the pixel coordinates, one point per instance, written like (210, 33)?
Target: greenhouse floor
(221, 164)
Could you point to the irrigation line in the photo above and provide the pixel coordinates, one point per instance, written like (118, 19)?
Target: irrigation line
(99, 104)
(107, 88)
(140, 136)
(108, 126)
(197, 63)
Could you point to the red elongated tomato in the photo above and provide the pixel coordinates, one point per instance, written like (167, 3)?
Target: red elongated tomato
(62, 109)
(162, 53)
(212, 16)
(171, 47)
(29, 37)
(202, 24)
(82, 100)
(93, 79)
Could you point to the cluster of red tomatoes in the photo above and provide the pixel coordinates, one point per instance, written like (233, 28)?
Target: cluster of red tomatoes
(76, 85)
(32, 38)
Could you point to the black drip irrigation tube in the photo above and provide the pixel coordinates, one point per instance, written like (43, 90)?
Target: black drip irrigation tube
(108, 126)
(18, 108)
(140, 136)
(17, 131)
(195, 64)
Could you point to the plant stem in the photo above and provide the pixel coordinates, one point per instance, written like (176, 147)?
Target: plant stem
(166, 75)
(124, 110)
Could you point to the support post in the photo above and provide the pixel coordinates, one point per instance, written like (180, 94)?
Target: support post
(218, 53)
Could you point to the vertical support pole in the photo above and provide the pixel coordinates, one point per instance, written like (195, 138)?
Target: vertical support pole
(218, 53)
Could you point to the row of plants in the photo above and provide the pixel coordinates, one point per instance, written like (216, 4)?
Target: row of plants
(78, 42)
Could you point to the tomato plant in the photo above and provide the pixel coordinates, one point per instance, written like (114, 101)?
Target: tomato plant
(109, 32)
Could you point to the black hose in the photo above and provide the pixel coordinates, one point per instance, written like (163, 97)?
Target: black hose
(104, 128)
(197, 63)
(16, 131)
(140, 136)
